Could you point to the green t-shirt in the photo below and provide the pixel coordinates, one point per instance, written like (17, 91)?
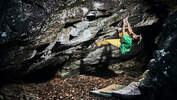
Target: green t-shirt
(126, 44)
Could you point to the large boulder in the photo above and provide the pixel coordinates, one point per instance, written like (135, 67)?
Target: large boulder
(160, 82)
(38, 36)
(42, 38)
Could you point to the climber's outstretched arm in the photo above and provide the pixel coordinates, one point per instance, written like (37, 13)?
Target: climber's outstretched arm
(131, 31)
(123, 26)
(129, 27)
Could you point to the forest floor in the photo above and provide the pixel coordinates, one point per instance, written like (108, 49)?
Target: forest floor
(76, 88)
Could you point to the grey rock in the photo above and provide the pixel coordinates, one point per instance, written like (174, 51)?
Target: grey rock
(41, 34)
(161, 76)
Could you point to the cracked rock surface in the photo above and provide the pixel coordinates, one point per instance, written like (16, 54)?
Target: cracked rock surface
(63, 34)
(42, 39)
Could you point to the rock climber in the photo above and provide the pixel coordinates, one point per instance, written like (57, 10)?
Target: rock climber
(125, 40)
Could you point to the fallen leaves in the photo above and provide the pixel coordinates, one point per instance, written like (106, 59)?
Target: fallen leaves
(76, 88)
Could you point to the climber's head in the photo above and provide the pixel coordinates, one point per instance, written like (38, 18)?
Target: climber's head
(134, 37)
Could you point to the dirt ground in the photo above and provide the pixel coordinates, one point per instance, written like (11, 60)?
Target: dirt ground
(76, 88)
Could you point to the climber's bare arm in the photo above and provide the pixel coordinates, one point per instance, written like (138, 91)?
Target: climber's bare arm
(129, 27)
(123, 26)
(131, 31)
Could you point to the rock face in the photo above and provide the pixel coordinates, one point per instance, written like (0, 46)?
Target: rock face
(60, 35)
(42, 38)
(162, 68)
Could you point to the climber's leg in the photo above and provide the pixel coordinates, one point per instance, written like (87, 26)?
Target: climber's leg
(114, 42)
(102, 43)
